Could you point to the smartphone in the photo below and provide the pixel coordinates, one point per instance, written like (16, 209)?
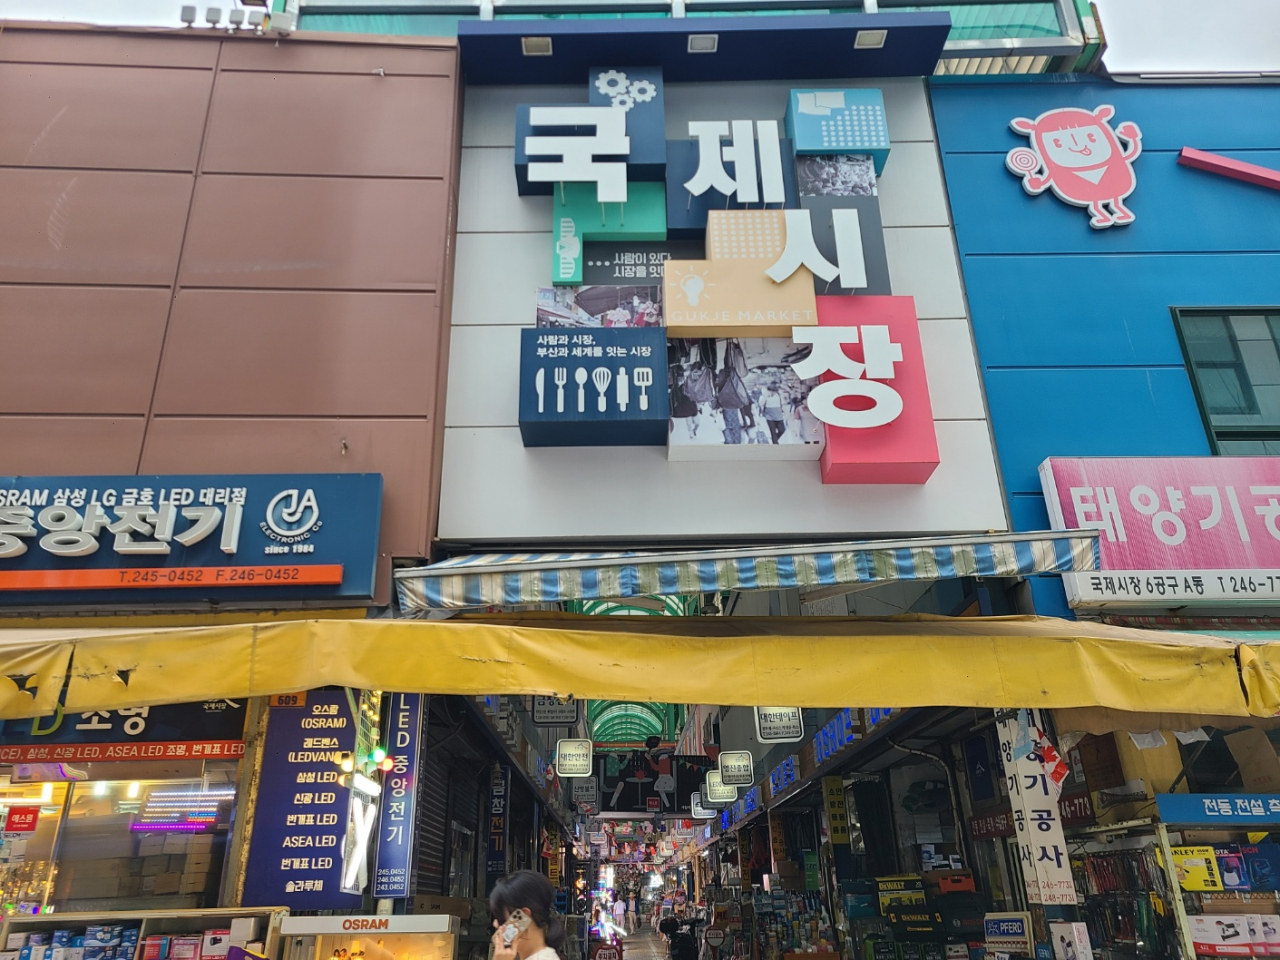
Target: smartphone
(516, 924)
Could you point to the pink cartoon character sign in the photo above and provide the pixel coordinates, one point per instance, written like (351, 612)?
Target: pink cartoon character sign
(1077, 154)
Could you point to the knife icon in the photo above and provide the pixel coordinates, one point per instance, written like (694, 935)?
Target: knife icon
(539, 384)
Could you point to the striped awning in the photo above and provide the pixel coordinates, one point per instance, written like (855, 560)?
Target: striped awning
(511, 579)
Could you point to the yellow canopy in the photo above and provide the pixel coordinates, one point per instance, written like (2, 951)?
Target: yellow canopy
(810, 662)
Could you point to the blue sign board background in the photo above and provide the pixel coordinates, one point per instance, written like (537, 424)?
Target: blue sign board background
(174, 722)
(687, 214)
(495, 862)
(286, 522)
(295, 855)
(396, 825)
(1238, 809)
(589, 349)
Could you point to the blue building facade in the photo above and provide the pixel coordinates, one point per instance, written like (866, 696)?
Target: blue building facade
(1083, 332)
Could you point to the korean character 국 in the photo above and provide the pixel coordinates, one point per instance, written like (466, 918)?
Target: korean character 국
(66, 538)
(1269, 511)
(1165, 524)
(15, 522)
(1097, 509)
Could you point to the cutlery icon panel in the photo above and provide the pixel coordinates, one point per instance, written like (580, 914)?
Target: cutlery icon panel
(601, 377)
(561, 378)
(539, 384)
(580, 376)
(643, 378)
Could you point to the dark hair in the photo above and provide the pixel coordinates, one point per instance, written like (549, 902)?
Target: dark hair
(529, 890)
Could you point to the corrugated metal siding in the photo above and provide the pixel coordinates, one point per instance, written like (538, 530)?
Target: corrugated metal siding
(433, 822)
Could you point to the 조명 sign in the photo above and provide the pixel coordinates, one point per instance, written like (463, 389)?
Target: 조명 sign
(574, 758)
(779, 724)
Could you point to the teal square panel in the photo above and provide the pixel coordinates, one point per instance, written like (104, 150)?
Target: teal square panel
(839, 121)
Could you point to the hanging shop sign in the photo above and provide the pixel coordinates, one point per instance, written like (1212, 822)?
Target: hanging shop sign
(77, 540)
(585, 790)
(1033, 775)
(660, 248)
(208, 730)
(697, 810)
(300, 830)
(498, 830)
(737, 769)
(717, 791)
(1230, 809)
(556, 711)
(574, 758)
(779, 724)
(396, 828)
(833, 798)
(1075, 153)
(1009, 933)
(1174, 531)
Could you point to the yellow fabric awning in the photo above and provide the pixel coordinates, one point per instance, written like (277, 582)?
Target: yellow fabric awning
(810, 661)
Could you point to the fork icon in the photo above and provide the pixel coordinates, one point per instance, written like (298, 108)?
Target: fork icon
(561, 378)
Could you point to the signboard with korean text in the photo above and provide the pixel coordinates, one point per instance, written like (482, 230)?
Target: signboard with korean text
(556, 711)
(184, 539)
(208, 730)
(833, 798)
(597, 387)
(397, 823)
(1173, 531)
(737, 769)
(498, 825)
(1233, 809)
(575, 758)
(1033, 775)
(300, 828)
(726, 237)
(779, 724)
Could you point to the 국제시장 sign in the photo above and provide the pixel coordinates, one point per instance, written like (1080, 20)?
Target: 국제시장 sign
(70, 540)
(1173, 531)
(211, 729)
(398, 820)
(296, 854)
(779, 724)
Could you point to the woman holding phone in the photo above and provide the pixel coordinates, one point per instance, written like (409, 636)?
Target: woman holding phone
(524, 918)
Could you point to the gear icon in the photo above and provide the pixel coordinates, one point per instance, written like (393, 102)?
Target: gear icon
(642, 91)
(612, 83)
(624, 100)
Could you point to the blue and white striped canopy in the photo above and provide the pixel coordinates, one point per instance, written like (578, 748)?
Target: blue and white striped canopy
(517, 579)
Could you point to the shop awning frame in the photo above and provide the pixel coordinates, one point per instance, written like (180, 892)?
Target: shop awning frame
(908, 661)
(516, 579)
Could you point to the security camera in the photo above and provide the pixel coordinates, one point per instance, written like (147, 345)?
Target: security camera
(256, 18)
(212, 16)
(236, 17)
(189, 15)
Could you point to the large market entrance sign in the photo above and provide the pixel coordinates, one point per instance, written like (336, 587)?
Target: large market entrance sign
(781, 340)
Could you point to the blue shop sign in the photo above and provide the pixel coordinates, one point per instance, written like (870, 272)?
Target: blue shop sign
(593, 387)
(783, 775)
(839, 732)
(1230, 809)
(297, 852)
(751, 801)
(184, 539)
(396, 827)
(495, 864)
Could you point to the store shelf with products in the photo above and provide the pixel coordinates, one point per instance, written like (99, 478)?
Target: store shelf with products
(1127, 902)
(149, 934)
(412, 937)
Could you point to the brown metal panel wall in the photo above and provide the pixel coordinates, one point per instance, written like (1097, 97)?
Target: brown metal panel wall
(229, 255)
(433, 825)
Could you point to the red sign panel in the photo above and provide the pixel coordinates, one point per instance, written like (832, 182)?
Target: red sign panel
(21, 819)
(86, 752)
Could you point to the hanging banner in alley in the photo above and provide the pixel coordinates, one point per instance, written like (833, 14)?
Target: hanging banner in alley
(649, 782)
(300, 828)
(184, 539)
(495, 863)
(396, 826)
(1033, 776)
(1173, 531)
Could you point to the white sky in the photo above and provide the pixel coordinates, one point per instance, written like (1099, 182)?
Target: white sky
(1145, 36)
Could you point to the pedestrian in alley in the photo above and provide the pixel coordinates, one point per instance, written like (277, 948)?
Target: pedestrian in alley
(633, 914)
(524, 918)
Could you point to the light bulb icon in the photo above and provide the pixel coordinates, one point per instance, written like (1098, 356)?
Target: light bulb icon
(693, 285)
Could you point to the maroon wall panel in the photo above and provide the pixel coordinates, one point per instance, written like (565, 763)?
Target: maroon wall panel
(336, 125)
(70, 445)
(317, 232)
(108, 117)
(274, 353)
(91, 226)
(80, 349)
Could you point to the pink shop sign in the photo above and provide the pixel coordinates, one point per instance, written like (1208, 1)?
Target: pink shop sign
(1172, 531)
